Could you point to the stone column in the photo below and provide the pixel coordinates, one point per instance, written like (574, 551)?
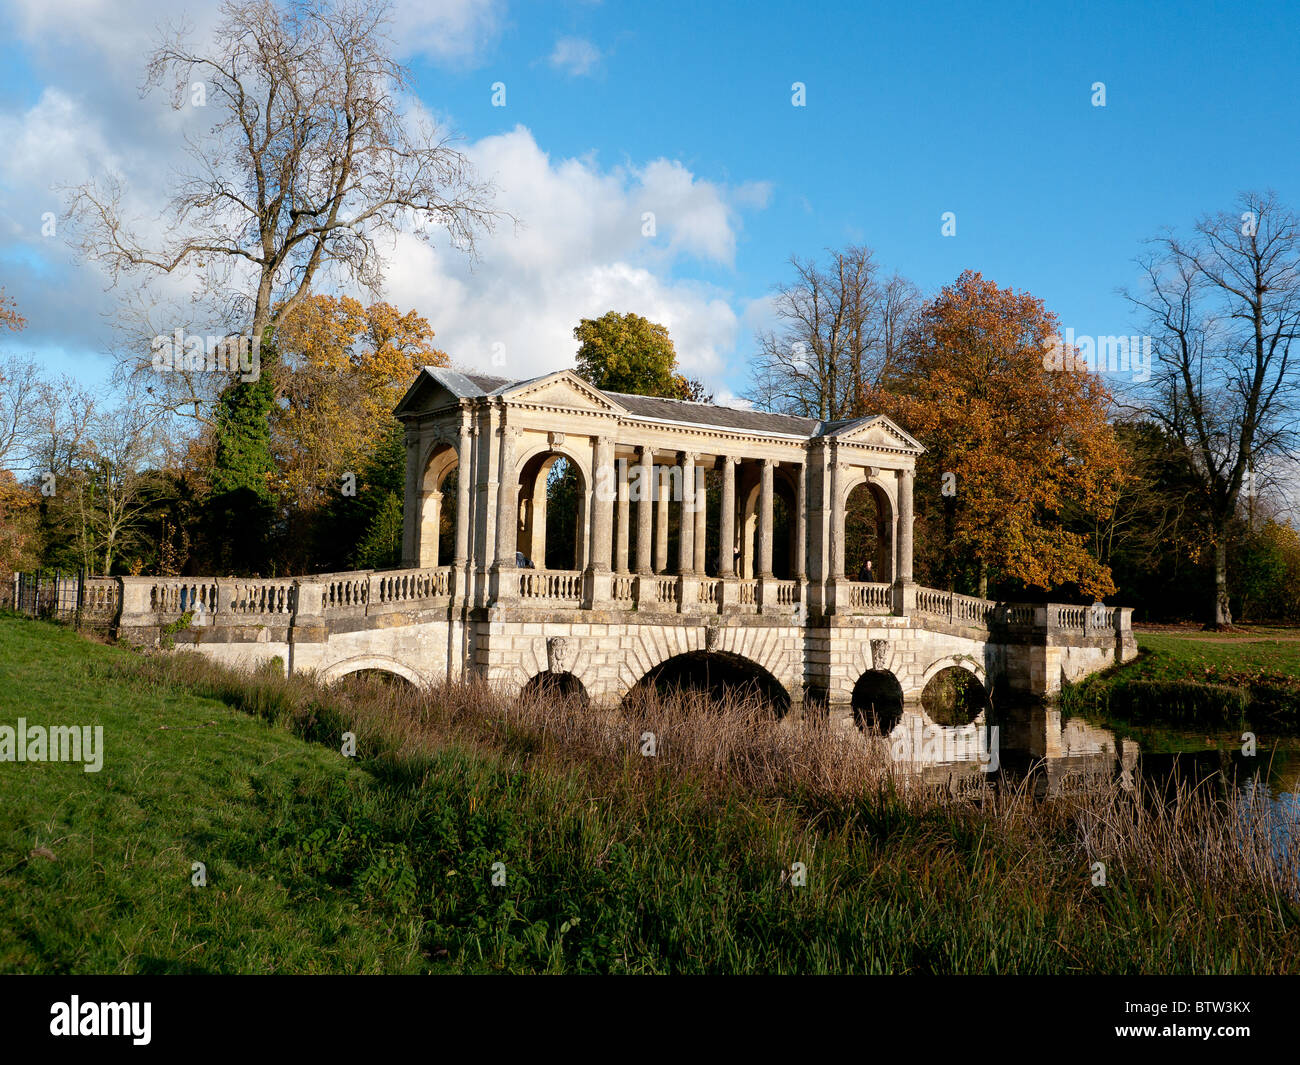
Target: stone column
(905, 519)
(686, 527)
(801, 523)
(602, 515)
(819, 585)
(765, 593)
(661, 520)
(688, 584)
(464, 483)
(410, 509)
(463, 477)
(904, 588)
(507, 514)
(537, 545)
(800, 518)
(701, 519)
(430, 525)
(602, 502)
(727, 520)
(624, 513)
(837, 519)
(765, 520)
(837, 592)
(644, 511)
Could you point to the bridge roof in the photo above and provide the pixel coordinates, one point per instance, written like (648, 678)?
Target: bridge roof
(473, 385)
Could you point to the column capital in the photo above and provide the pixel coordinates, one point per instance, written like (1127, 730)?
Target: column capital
(604, 441)
(689, 456)
(509, 432)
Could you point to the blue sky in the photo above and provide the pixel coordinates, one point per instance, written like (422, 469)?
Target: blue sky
(912, 110)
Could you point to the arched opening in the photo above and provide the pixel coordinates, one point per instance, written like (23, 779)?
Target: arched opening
(552, 513)
(375, 677)
(868, 535)
(748, 519)
(716, 675)
(877, 701)
(954, 696)
(438, 506)
(555, 686)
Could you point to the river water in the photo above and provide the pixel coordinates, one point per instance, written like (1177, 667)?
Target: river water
(1060, 754)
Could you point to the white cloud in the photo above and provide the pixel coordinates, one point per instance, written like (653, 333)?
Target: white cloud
(575, 56)
(579, 253)
(452, 31)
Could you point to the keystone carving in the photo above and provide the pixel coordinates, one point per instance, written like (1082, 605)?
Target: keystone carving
(556, 652)
(879, 654)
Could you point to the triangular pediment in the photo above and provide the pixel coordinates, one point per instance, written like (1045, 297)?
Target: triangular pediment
(427, 392)
(564, 389)
(878, 431)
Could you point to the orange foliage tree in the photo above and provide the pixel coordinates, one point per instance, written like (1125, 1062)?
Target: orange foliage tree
(1023, 443)
(342, 369)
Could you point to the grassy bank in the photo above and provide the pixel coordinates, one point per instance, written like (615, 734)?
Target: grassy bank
(1206, 680)
(741, 845)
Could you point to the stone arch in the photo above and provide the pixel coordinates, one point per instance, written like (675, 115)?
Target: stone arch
(564, 685)
(717, 673)
(961, 661)
(949, 706)
(762, 646)
(531, 473)
(441, 459)
(883, 499)
(785, 492)
(533, 659)
(382, 663)
(877, 701)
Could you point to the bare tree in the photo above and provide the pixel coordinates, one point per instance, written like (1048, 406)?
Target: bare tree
(311, 159)
(122, 445)
(20, 386)
(841, 328)
(1223, 308)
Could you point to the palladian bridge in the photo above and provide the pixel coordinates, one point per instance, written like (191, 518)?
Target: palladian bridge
(559, 534)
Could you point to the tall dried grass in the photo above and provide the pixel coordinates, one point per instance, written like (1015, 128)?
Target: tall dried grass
(1195, 840)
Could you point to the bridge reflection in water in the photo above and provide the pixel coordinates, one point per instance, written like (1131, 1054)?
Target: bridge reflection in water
(1030, 744)
(1029, 738)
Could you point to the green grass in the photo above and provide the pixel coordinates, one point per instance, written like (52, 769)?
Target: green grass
(1193, 657)
(184, 779)
(1199, 681)
(321, 864)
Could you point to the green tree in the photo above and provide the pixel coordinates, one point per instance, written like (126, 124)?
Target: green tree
(630, 354)
(241, 507)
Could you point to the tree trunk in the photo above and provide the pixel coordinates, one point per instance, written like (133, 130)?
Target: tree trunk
(1222, 615)
(984, 580)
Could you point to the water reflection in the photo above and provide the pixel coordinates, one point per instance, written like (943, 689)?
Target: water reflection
(1060, 756)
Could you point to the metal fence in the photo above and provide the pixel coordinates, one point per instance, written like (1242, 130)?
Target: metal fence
(53, 595)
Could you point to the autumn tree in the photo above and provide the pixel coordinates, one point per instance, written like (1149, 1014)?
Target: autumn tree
(343, 368)
(10, 319)
(841, 327)
(311, 160)
(1223, 308)
(1015, 442)
(20, 382)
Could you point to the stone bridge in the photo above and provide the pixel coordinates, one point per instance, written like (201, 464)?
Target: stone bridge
(600, 541)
